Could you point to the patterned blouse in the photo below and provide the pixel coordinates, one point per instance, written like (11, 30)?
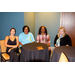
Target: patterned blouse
(43, 39)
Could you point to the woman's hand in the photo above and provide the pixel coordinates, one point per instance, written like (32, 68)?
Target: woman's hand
(48, 44)
(67, 45)
(56, 45)
(12, 48)
(15, 46)
(9, 50)
(49, 48)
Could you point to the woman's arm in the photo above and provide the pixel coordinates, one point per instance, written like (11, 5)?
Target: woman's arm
(56, 45)
(55, 41)
(69, 43)
(48, 38)
(20, 43)
(17, 41)
(12, 46)
(33, 42)
(5, 42)
(32, 38)
(37, 39)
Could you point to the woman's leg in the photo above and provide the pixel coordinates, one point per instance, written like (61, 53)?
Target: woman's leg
(14, 57)
(49, 50)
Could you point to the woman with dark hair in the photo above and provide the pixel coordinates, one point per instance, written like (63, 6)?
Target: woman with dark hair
(43, 37)
(12, 42)
(26, 36)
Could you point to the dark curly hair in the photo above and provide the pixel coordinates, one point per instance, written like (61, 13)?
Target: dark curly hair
(41, 28)
(25, 27)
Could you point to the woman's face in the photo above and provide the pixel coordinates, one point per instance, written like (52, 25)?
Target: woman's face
(42, 30)
(12, 32)
(26, 30)
(61, 32)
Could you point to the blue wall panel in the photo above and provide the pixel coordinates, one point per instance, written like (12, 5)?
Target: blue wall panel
(9, 20)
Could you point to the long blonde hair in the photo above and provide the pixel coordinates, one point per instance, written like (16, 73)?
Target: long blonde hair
(63, 30)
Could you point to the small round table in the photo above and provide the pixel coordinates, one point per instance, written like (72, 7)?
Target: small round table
(30, 53)
(68, 50)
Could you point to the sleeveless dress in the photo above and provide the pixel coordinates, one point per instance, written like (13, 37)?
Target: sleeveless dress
(13, 53)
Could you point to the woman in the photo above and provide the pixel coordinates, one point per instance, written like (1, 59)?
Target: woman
(62, 39)
(43, 37)
(26, 36)
(12, 42)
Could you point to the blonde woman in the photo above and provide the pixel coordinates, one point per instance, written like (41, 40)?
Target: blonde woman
(62, 39)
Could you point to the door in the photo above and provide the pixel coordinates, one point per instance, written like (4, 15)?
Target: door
(68, 21)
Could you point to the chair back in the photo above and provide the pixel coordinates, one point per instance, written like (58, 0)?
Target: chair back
(63, 58)
(3, 48)
(0, 43)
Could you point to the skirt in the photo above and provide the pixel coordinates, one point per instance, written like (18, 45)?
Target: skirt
(14, 56)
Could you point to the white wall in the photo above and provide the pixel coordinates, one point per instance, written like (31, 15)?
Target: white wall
(29, 20)
(51, 20)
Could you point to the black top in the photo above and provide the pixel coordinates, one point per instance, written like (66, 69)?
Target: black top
(10, 43)
(66, 40)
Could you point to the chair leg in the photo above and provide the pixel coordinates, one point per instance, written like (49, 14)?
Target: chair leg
(2, 59)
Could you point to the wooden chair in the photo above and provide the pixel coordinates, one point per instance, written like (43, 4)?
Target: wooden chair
(4, 56)
(19, 49)
(63, 58)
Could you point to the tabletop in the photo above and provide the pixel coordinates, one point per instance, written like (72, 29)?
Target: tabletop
(68, 50)
(33, 46)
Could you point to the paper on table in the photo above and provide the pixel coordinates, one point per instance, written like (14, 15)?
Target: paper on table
(39, 48)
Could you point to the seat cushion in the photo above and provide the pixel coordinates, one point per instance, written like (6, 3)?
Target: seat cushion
(63, 58)
(5, 56)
